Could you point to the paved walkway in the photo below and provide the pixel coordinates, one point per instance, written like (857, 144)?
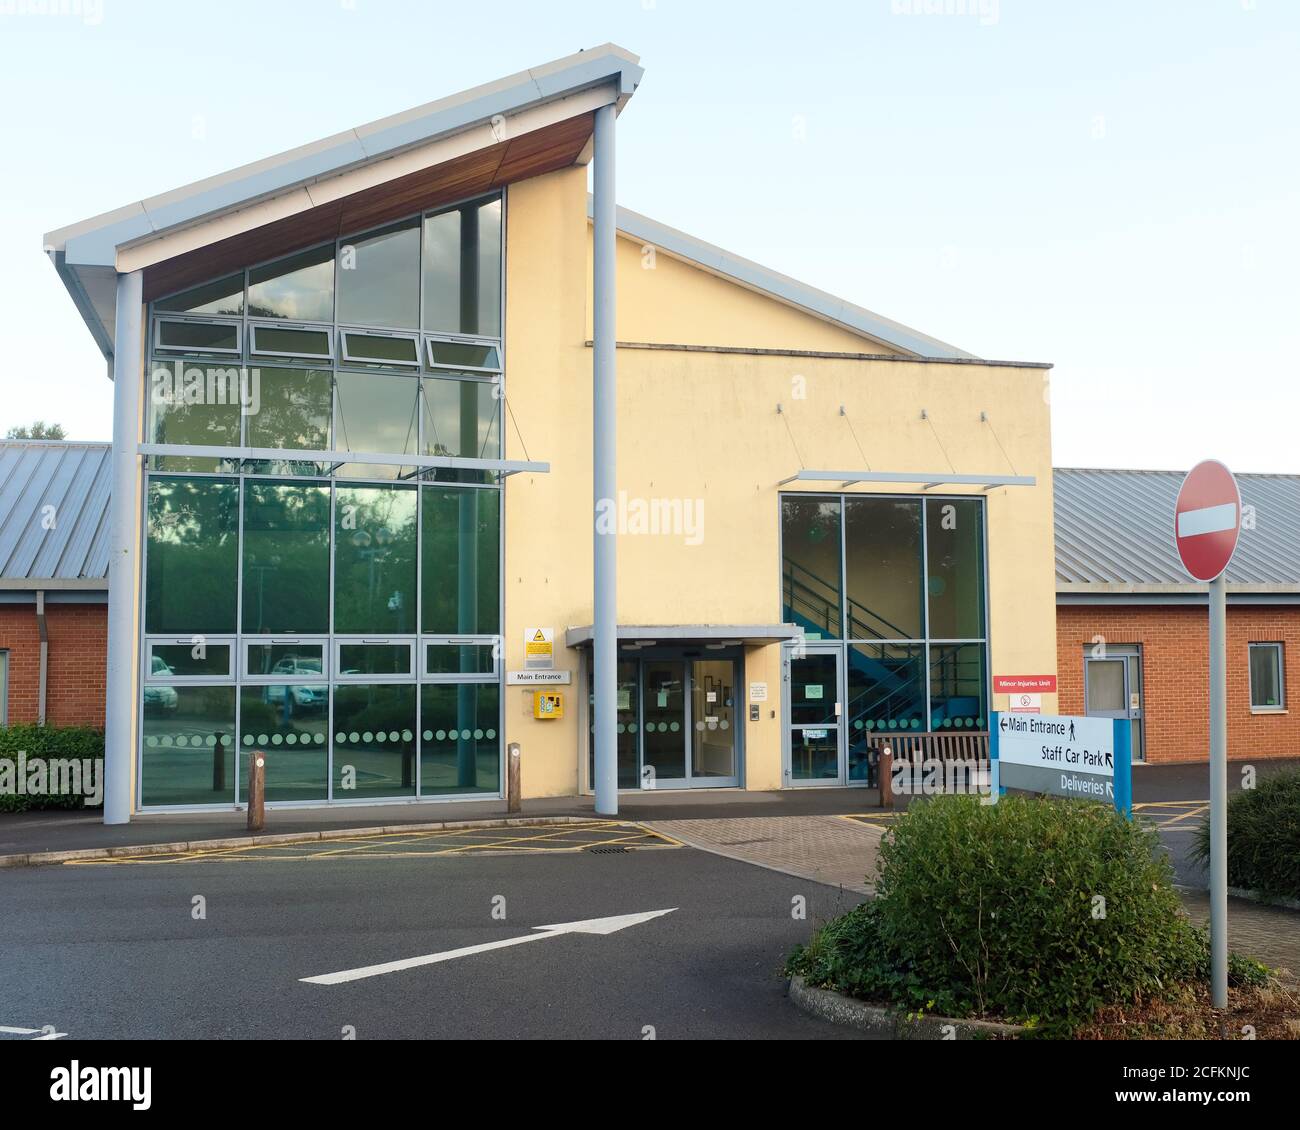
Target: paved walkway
(1269, 933)
(826, 849)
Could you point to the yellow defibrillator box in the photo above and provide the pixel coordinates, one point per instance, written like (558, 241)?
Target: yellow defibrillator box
(548, 704)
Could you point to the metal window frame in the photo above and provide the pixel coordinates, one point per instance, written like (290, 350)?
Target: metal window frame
(453, 339)
(240, 473)
(288, 639)
(312, 327)
(173, 351)
(225, 640)
(427, 676)
(1280, 652)
(338, 642)
(346, 358)
(928, 642)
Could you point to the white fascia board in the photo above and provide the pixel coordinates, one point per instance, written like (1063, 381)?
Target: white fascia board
(95, 241)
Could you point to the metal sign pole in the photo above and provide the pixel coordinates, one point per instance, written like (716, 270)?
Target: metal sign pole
(1219, 791)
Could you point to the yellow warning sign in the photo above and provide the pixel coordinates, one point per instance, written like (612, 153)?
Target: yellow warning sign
(539, 648)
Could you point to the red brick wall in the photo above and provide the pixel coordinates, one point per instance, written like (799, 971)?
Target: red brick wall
(1176, 674)
(78, 638)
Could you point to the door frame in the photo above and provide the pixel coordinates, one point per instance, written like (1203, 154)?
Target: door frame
(788, 779)
(1127, 654)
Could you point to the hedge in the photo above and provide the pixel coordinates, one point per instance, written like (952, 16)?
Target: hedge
(43, 744)
(1263, 837)
(1033, 910)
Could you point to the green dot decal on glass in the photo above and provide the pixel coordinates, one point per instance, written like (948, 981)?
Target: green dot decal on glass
(428, 735)
(491, 734)
(441, 735)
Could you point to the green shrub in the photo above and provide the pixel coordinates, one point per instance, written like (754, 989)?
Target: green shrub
(1263, 837)
(1032, 909)
(45, 744)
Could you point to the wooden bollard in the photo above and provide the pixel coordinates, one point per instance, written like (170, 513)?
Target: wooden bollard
(885, 776)
(513, 801)
(256, 791)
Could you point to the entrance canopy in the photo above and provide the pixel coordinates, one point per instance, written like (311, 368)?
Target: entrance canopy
(733, 635)
(926, 481)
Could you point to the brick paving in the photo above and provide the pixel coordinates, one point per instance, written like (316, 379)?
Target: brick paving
(826, 849)
(1269, 933)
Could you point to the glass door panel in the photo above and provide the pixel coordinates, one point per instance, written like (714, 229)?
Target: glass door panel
(713, 708)
(815, 756)
(628, 727)
(663, 695)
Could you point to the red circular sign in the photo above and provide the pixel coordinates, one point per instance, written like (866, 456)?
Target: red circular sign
(1207, 519)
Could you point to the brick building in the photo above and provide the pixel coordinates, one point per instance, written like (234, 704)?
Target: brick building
(1132, 628)
(53, 581)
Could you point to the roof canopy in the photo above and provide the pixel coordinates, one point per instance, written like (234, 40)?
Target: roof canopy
(476, 141)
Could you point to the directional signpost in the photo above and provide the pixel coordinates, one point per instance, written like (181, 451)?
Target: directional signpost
(1061, 755)
(1207, 524)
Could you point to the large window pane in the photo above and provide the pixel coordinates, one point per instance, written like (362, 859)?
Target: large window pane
(289, 724)
(374, 560)
(286, 557)
(462, 270)
(291, 408)
(882, 549)
(188, 751)
(192, 569)
(460, 562)
(374, 740)
(957, 686)
(886, 688)
(299, 288)
(224, 296)
(460, 749)
(955, 546)
(810, 545)
(377, 412)
(195, 403)
(461, 418)
(379, 278)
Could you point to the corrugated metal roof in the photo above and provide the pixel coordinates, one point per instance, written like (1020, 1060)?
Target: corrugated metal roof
(68, 542)
(1116, 527)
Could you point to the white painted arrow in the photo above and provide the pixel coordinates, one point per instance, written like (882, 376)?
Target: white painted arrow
(590, 926)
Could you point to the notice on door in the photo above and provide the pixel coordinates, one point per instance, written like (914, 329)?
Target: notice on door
(812, 690)
(539, 648)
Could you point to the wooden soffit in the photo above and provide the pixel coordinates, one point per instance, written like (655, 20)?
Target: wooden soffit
(544, 150)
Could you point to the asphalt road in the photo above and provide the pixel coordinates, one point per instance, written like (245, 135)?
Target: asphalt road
(114, 952)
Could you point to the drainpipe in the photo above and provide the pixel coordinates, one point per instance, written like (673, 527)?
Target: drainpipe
(45, 656)
(604, 468)
(123, 550)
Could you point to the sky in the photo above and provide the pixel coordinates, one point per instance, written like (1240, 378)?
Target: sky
(1109, 185)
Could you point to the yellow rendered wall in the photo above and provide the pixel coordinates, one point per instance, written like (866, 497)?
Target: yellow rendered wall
(669, 301)
(701, 425)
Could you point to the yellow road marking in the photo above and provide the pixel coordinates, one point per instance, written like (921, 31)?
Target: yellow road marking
(452, 841)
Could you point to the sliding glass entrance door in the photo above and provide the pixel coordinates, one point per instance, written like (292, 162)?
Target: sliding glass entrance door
(678, 723)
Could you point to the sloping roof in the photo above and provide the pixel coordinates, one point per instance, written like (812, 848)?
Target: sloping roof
(1116, 528)
(86, 253)
(755, 276)
(53, 514)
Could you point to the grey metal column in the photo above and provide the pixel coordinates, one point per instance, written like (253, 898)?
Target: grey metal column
(1219, 791)
(123, 550)
(604, 467)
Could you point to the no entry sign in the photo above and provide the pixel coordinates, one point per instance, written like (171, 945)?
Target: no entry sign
(1207, 519)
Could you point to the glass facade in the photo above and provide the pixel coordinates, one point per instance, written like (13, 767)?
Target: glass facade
(340, 617)
(910, 608)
